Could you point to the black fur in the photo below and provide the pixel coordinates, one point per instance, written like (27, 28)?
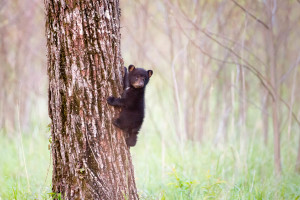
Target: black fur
(132, 102)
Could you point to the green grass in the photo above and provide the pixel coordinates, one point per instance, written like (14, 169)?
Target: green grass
(206, 171)
(163, 170)
(25, 177)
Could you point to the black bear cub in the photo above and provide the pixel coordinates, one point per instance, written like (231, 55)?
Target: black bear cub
(132, 102)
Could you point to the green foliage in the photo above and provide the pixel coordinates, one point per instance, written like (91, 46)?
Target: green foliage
(182, 185)
(15, 184)
(56, 196)
(163, 171)
(205, 171)
(81, 170)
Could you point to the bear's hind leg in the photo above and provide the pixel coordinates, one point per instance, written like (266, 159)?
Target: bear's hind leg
(132, 139)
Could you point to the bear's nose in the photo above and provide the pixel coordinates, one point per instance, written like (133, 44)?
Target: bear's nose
(139, 84)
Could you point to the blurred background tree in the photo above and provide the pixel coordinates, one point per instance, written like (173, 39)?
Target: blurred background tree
(23, 59)
(230, 67)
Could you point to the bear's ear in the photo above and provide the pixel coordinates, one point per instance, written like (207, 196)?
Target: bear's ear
(131, 68)
(150, 72)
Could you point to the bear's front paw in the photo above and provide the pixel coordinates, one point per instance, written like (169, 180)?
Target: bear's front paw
(110, 100)
(117, 123)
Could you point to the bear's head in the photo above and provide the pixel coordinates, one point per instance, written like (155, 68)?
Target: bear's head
(138, 77)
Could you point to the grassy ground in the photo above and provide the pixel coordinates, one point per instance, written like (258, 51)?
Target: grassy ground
(24, 166)
(163, 170)
(209, 172)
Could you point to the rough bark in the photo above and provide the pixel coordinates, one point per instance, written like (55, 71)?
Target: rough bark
(90, 157)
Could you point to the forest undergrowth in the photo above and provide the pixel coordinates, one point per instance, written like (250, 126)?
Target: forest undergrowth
(163, 170)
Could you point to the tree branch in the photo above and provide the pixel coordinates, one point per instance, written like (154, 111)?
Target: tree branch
(254, 17)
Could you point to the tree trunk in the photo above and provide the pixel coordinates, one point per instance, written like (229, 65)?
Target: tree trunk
(298, 158)
(90, 157)
(271, 51)
(275, 105)
(265, 116)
